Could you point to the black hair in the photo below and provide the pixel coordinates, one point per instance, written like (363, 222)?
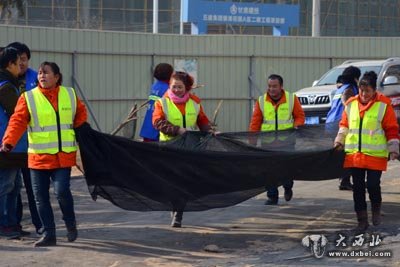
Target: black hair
(339, 79)
(350, 75)
(276, 77)
(22, 48)
(369, 79)
(163, 72)
(54, 67)
(185, 78)
(8, 55)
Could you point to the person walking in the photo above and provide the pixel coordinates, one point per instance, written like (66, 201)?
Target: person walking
(10, 165)
(348, 88)
(162, 73)
(51, 112)
(277, 110)
(27, 80)
(369, 135)
(177, 112)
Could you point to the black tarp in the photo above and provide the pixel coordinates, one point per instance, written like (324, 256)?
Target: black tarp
(198, 171)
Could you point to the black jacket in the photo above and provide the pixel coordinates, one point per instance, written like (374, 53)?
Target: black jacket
(8, 100)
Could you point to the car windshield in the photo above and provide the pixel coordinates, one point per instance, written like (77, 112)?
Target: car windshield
(331, 76)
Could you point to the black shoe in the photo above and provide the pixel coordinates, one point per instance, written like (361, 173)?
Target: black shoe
(22, 232)
(271, 201)
(348, 187)
(175, 223)
(72, 234)
(46, 241)
(9, 232)
(288, 194)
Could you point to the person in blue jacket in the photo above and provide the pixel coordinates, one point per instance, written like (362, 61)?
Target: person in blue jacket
(27, 80)
(162, 73)
(348, 80)
(10, 165)
(27, 77)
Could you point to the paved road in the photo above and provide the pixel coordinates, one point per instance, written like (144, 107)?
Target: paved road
(248, 234)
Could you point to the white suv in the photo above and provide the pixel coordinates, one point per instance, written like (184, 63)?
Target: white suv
(316, 100)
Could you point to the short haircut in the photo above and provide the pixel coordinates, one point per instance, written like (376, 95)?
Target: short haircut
(163, 72)
(369, 79)
(276, 77)
(8, 55)
(22, 48)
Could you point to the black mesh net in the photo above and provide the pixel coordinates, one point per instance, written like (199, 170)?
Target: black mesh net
(199, 171)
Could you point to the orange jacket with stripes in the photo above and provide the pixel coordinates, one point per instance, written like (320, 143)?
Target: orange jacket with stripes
(389, 125)
(258, 118)
(161, 124)
(18, 125)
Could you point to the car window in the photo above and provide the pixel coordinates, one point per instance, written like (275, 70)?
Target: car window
(331, 76)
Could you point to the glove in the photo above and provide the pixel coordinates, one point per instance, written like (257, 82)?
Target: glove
(338, 146)
(341, 136)
(6, 148)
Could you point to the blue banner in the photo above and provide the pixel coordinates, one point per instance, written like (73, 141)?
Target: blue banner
(201, 13)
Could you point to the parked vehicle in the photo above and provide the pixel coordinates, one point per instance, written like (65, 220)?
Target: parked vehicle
(316, 100)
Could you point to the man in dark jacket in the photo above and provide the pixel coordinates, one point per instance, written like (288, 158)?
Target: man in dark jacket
(11, 163)
(27, 79)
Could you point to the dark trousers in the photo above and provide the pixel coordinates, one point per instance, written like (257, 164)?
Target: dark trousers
(373, 185)
(31, 201)
(41, 185)
(272, 192)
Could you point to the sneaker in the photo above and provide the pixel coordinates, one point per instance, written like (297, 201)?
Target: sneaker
(271, 201)
(288, 194)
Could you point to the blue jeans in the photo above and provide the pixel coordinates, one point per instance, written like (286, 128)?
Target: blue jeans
(26, 175)
(10, 187)
(41, 185)
(272, 192)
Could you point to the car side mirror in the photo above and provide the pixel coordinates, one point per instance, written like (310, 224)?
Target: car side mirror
(390, 80)
(315, 83)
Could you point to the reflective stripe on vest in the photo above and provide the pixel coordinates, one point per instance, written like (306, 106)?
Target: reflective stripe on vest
(285, 113)
(366, 135)
(175, 117)
(50, 132)
(154, 97)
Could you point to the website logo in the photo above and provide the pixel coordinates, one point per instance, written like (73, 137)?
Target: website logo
(234, 9)
(316, 243)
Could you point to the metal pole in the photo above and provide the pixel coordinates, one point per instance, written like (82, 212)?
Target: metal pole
(181, 19)
(155, 16)
(251, 86)
(316, 21)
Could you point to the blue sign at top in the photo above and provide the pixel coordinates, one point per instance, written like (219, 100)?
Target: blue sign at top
(201, 13)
